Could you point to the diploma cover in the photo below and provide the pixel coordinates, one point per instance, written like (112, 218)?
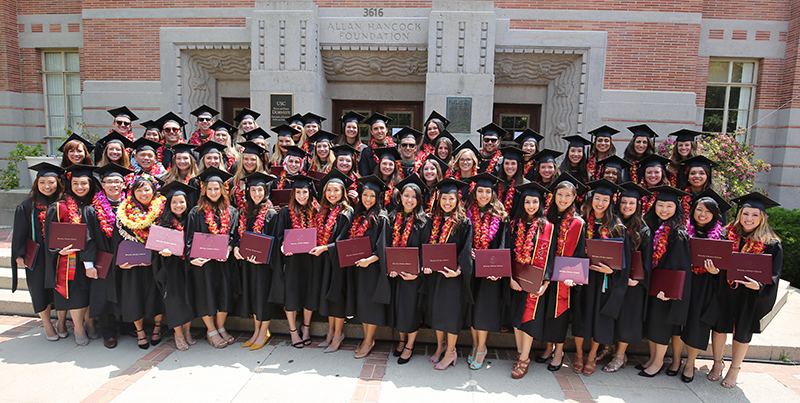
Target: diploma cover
(493, 263)
(669, 281)
(719, 251)
(528, 276)
(161, 238)
(31, 251)
(103, 263)
(610, 253)
(276, 171)
(571, 268)
(64, 234)
(299, 240)
(757, 266)
(402, 260)
(257, 245)
(316, 175)
(209, 246)
(637, 268)
(281, 197)
(436, 256)
(352, 250)
(133, 253)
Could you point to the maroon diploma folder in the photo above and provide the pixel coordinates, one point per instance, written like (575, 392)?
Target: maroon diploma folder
(352, 250)
(316, 174)
(529, 277)
(161, 238)
(257, 245)
(65, 234)
(276, 171)
(31, 251)
(281, 197)
(133, 253)
(757, 266)
(493, 263)
(604, 251)
(571, 268)
(402, 260)
(103, 263)
(209, 246)
(299, 240)
(437, 256)
(669, 281)
(637, 268)
(719, 251)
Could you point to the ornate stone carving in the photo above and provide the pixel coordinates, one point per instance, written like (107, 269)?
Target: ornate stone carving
(200, 66)
(342, 65)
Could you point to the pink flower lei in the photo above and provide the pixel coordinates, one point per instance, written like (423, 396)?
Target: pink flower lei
(715, 233)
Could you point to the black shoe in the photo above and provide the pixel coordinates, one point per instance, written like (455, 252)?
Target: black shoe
(538, 358)
(672, 373)
(687, 379)
(158, 333)
(554, 368)
(402, 360)
(646, 375)
(640, 367)
(399, 353)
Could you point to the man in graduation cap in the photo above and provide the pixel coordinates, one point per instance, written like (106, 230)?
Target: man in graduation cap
(145, 158)
(205, 118)
(171, 126)
(379, 137)
(407, 140)
(492, 158)
(123, 121)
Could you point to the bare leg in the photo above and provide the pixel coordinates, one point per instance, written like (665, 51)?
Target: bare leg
(621, 348)
(291, 318)
(402, 343)
(141, 336)
(212, 327)
(77, 320)
(691, 356)
(717, 347)
(256, 328)
(474, 344)
(49, 329)
(737, 356)
(558, 354)
(480, 351)
(441, 345)
(157, 334)
(263, 331)
(338, 332)
(524, 342)
(369, 336)
(187, 333)
(307, 324)
(677, 350)
(62, 321)
(652, 354)
(658, 359)
(450, 353)
(220, 322)
(579, 347)
(409, 347)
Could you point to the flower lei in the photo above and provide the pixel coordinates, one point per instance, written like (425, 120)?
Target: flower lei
(231, 160)
(258, 225)
(400, 239)
(105, 213)
(714, 233)
(177, 225)
(485, 225)
(604, 232)
(493, 162)
(433, 196)
(569, 215)
(42, 214)
(224, 221)
(282, 181)
(634, 172)
(528, 166)
(238, 196)
(374, 144)
(129, 135)
(359, 227)
(508, 198)
(456, 174)
(440, 232)
(73, 212)
(326, 222)
(387, 195)
(750, 246)
(425, 151)
(591, 166)
(660, 242)
(196, 140)
(138, 222)
(524, 241)
(300, 221)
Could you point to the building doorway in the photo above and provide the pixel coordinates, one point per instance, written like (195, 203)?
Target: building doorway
(232, 106)
(402, 114)
(516, 118)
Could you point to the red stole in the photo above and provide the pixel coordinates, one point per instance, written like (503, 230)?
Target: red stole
(65, 269)
(570, 241)
(539, 259)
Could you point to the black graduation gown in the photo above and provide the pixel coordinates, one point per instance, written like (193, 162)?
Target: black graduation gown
(139, 294)
(333, 297)
(105, 294)
(78, 289)
(632, 316)
(172, 279)
(491, 297)
(483, 165)
(257, 279)
(704, 307)
(448, 298)
(302, 279)
(369, 287)
(215, 282)
(407, 303)
(26, 213)
(665, 318)
(743, 308)
(366, 162)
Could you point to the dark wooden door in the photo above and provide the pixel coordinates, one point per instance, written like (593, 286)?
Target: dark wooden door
(232, 106)
(517, 117)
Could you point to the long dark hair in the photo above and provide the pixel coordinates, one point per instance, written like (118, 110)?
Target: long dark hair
(712, 207)
(85, 200)
(521, 214)
(252, 209)
(518, 176)
(372, 213)
(593, 149)
(439, 125)
(41, 200)
(419, 211)
(138, 183)
(166, 217)
(677, 222)
(552, 210)
(633, 223)
(609, 219)
(630, 150)
(583, 172)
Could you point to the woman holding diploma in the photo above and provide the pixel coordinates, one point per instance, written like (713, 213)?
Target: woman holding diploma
(665, 316)
(448, 292)
(410, 228)
(533, 242)
(171, 269)
(746, 302)
(371, 287)
(257, 297)
(29, 220)
(213, 285)
(489, 222)
(302, 280)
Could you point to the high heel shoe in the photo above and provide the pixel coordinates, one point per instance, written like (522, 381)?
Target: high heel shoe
(361, 354)
(307, 341)
(331, 349)
(211, 334)
(180, 343)
(144, 346)
(538, 358)
(520, 368)
(471, 356)
(730, 384)
(434, 358)
(646, 375)
(81, 339)
(63, 335)
(714, 378)
(246, 344)
(395, 352)
(554, 368)
(577, 364)
(687, 379)
(158, 333)
(229, 340)
(401, 360)
(441, 367)
(255, 346)
(298, 344)
(478, 365)
(616, 363)
(590, 367)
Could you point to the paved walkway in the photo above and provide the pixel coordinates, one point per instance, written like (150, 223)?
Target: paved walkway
(35, 370)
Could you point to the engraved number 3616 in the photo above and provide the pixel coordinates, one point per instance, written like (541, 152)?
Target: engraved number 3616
(373, 12)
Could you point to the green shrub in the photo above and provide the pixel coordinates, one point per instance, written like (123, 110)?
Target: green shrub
(786, 224)
(9, 177)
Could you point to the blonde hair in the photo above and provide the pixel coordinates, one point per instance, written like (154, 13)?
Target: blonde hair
(474, 158)
(240, 171)
(763, 232)
(277, 156)
(174, 173)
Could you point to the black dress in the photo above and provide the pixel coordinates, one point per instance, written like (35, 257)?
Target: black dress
(632, 316)
(333, 297)
(491, 297)
(665, 318)
(366, 162)
(407, 303)
(139, 294)
(213, 283)
(302, 279)
(257, 279)
(104, 296)
(370, 289)
(704, 305)
(77, 289)
(26, 213)
(172, 279)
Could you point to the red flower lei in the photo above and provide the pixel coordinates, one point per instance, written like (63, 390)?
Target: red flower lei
(440, 233)
(434, 196)
(387, 195)
(591, 166)
(106, 214)
(359, 227)
(485, 226)
(238, 196)
(326, 222)
(374, 144)
(231, 160)
(604, 232)
(457, 176)
(400, 239)
(129, 135)
(569, 215)
(195, 139)
(508, 198)
(258, 225)
(177, 225)
(750, 246)
(42, 214)
(634, 172)
(426, 150)
(73, 212)
(224, 220)
(282, 181)
(299, 221)
(714, 233)
(660, 242)
(524, 241)
(493, 162)
(528, 166)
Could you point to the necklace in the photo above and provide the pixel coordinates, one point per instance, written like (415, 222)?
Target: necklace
(359, 227)
(660, 242)
(604, 232)
(301, 221)
(326, 222)
(258, 225)
(493, 161)
(373, 144)
(224, 220)
(106, 214)
(524, 241)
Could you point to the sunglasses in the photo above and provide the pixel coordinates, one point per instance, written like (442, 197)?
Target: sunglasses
(203, 119)
(407, 145)
(172, 130)
(122, 123)
(490, 139)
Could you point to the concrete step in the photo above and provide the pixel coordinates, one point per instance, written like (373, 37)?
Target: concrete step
(5, 279)
(9, 199)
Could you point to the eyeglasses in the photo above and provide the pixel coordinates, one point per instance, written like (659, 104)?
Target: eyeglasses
(122, 123)
(408, 145)
(203, 119)
(490, 139)
(172, 130)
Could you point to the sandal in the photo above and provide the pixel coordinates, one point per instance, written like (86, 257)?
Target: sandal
(713, 378)
(154, 341)
(616, 363)
(520, 368)
(478, 365)
(298, 344)
(81, 339)
(229, 340)
(471, 356)
(307, 340)
(180, 343)
(607, 351)
(435, 358)
(441, 367)
(209, 335)
(189, 340)
(730, 384)
(144, 346)
(589, 367)
(577, 364)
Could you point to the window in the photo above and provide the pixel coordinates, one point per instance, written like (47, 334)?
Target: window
(730, 95)
(62, 94)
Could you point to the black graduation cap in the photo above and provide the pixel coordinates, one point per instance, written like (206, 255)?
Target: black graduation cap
(322, 135)
(631, 189)
(252, 148)
(577, 141)
(46, 169)
(79, 170)
(214, 174)
(492, 129)
(143, 144)
(723, 205)
(531, 189)
(373, 183)
(183, 148)
(668, 193)
(512, 153)
(352, 116)
(301, 181)
(285, 130)
(700, 161)
(377, 117)
(75, 136)
(565, 177)
(224, 126)
(111, 169)
(344, 149)
(755, 200)
(444, 134)
(467, 144)
(335, 175)
(210, 146)
(603, 131)
(604, 187)
(176, 188)
(642, 131)
(449, 185)
(258, 179)
(205, 110)
(528, 135)
(170, 116)
(387, 152)
(312, 118)
(150, 125)
(484, 180)
(437, 115)
(408, 132)
(124, 112)
(295, 151)
(257, 133)
(415, 179)
(685, 135)
(615, 162)
(113, 136)
(443, 165)
(294, 119)
(654, 160)
(246, 113)
(547, 155)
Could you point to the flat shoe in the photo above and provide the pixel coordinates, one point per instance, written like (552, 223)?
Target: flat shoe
(640, 367)
(646, 375)
(110, 342)
(577, 364)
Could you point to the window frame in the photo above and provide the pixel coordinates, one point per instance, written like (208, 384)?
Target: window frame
(48, 138)
(728, 84)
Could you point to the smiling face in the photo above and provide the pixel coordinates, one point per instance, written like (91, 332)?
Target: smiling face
(146, 159)
(602, 144)
(311, 128)
(284, 141)
(144, 194)
(212, 160)
(483, 195)
(334, 192)
(257, 193)
(531, 205)
(564, 198)
(510, 167)
(627, 206)
(323, 148)
(114, 152)
(429, 172)
(490, 143)
(178, 205)
(292, 164)
(684, 148)
(408, 199)
(122, 125)
(351, 131)
(640, 145)
(222, 137)
(653, 176)
(204, 122)
(387, 167)
(378, 131)
(529, 147)
(466, 162)
(247, 125)
(80, 186)
(547, 170)
(153, 135)
(249, 162)
(448, 202)
(665, 209)
(47, 185)
(611, 174)
(344, 163)
(368, 198)
(443, 150)
(702, 215)
(183, 161)
(172, 132)
(575, 155)
(600, 204)
(750, 218)
(301, 196)
(432, 130)
(213, 191)
(76, 154)
(113, 186)
(408, 148)
(697, 178)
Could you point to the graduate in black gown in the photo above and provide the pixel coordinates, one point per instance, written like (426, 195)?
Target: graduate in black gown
(665, 316)
(431, 172)
(597, 305)
(171, 270)
(490, 156)
(410, 228)
(258, 277)
(213, 280)
(29, 220)
(510, 175)
(369, 287)
(448, 293)
(745, 302)
(685, 147)
(379, 137)
(388, 171)
(302, 280)
(491, 294)
(631, 317)
(602, 148)
(575, 160)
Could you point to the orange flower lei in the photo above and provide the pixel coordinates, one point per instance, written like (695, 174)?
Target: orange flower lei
(400, 239)
(258, 225)
(359, 227)
(591, 168)
(750, 245)
(195, 139)
(441, 232)
(300, 221)
(177, 225)
(238, 196)
(634, 172)
(528, 166)
(374, 144)
(224, 221)
(660, 242)
(326, 222)
(282, 181)
(569, 215)
(73, 212)
(425, 151)
(131, 220)
(604, 232)
(387, 196)
(524, 241)
(508, 198)
(485, 226)
(42, 214)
